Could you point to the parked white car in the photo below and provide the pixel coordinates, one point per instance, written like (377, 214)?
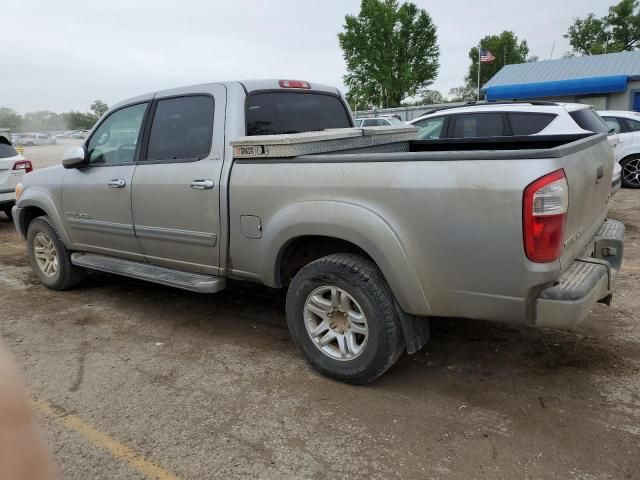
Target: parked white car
(31, 139)
(386, 121)
(13, 167)
(627, 126)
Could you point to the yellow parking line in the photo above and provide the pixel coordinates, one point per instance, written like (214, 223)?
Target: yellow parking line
(104, 441)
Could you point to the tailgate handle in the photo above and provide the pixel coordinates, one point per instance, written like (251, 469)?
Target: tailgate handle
(599, 173)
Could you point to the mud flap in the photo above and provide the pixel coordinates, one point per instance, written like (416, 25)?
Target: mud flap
(415, 330)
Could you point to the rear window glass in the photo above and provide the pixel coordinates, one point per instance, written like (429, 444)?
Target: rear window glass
(613, 123)
(276, 113)
(480, 125)
(589, 120)
(529, 123)
(7, 151)
(182, 129)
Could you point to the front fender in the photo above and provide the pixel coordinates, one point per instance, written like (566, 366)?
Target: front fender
(38, 197)
(355, 224)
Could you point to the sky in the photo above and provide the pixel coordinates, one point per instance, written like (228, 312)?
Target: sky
(61, 55)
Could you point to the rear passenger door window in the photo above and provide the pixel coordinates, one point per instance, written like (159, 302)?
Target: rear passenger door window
(613, 123)
(478, 125)
(181, 130)
(529, 123)
(632, 125)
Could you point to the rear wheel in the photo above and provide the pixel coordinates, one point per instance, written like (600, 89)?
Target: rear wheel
(631, 172)
(50, 259)
(342, 315)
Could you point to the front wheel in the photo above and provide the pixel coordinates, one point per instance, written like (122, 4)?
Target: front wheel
(49, 258)
(342, 315)
(631, 172)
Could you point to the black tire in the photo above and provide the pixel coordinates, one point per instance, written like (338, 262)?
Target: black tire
(67, 275)
(360, 279)
(629, 164)
(7, 212)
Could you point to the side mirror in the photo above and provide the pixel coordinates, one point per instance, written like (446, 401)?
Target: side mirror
(75, 157)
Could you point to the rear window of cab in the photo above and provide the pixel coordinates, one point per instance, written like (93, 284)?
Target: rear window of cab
(277, 113)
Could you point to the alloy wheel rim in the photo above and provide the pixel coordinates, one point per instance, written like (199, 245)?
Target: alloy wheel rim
(335, 323)
(631, 172)
(45, 254)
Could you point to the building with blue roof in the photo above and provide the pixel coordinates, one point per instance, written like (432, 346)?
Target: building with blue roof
(608, 82)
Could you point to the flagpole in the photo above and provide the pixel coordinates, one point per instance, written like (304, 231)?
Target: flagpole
(478, 91)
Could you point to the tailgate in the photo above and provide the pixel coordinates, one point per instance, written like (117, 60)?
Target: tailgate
(588, 165)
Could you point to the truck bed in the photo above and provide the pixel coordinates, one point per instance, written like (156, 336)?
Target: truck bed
(443, 221)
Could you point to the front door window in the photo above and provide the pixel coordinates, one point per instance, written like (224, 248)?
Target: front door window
(116, 140)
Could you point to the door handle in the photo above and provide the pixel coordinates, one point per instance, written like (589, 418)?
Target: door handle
(117, 183)
(202, 184)
(599, 173)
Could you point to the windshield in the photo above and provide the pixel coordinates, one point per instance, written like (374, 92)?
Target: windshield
(275, 113)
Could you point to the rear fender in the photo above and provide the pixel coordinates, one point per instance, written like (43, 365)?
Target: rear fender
(355, 224)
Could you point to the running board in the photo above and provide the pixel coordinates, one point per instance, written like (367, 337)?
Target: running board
(195, 282)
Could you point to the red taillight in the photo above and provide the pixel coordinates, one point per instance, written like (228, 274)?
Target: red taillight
(294, 84)
(544, 213)
(23, 165)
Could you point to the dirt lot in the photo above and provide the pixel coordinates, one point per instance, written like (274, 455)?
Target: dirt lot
(132, 379)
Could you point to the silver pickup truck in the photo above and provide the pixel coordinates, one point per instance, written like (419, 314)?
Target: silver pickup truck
(367, 244)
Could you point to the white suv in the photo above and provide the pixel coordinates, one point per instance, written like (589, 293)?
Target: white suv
(627, 126)
(506, 119)
(13, 166)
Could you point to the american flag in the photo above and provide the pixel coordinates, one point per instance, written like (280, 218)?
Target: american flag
(486, 56)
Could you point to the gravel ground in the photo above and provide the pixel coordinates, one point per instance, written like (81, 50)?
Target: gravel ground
(211, 386)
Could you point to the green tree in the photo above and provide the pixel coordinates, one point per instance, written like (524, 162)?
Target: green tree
(505, 47)
(390, 51)
(428, 97)
(464, 93)
(618, 31)
(10, 119)
(98, 107)
(78, 120)
(42, 121)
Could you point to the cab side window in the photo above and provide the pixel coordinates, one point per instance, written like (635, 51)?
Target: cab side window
(116, 139)
(474, 125)
(431, 128)
(182, 129)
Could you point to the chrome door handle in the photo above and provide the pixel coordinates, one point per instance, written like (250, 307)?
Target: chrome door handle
(117, 183)
(202, 184)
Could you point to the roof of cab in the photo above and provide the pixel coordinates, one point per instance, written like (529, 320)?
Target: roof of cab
(248, 85)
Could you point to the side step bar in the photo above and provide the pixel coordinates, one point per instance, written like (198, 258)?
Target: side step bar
(195, 282)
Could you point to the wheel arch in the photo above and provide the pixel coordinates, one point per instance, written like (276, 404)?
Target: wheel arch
(35, 203)
(341, 227)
